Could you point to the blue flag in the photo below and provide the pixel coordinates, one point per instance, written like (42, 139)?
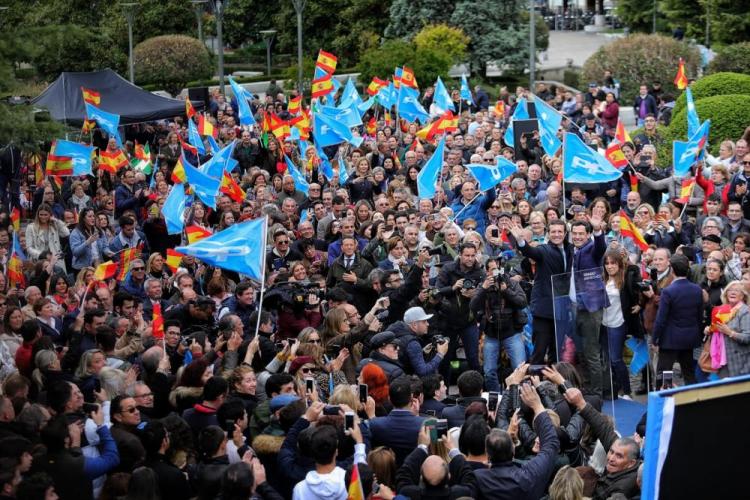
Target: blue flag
(520, 113)
(79, 153)
(243, 108)
(319, 73)
(640, 354)
(300, 182)
(409, 107)
(348, 116)
(387, 96)
(17, 247)
(490, 176)
(549, 123)
(466, 91)
(328, 131)
(343, 174)
(174, 209)
(350, 96)
(194, 138)
(685, 154)
(428, 176)
(107, 121)
(206, 188)
(693, 122)
(583, 165)
(336, 86)
(365, 105)
(325, 164)
(212, 144)
(442, 98)
(238, 248)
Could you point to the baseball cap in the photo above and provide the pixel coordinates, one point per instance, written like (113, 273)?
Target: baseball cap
(416, 314)
(382, 339)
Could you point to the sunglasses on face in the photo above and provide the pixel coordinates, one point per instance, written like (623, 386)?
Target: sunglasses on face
(307, 370)
(130, 410)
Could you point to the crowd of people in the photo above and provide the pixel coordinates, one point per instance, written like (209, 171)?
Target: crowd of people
(377, 302)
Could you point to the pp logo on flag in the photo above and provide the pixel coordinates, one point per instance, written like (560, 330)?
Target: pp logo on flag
(591, 167)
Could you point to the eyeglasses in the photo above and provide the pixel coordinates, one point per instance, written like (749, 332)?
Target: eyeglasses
(147, 395)
(138, 269)
(746, 162)
(314, 341)
(471, 228)
(495, 206)
(130, 410)
(307, 370)
(282, 242)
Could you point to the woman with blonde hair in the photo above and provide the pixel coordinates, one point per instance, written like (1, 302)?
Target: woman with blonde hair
(567, 485)
(735, 332)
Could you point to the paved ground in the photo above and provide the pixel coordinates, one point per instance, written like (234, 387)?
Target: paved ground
(570, 45)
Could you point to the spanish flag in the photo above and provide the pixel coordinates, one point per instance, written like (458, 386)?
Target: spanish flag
(88, 126)
(326, 61)
(196, 233)
(500, 109)
(302, 123)
(633, 182)
(187, 146)
(408, 79)
(230, 188)
(157, 325)
(448, 122)
(295, 104)
(723, 314)
(91, 96)
(627, 228)
(322, 86)
(686, 190)
(127, 256)
(178, 173)
(375, 85)
(614, 154)
(355, 491)
(112, 161)
(205, 127)
(16, 277)
(372, 126)
(680, 79)
(279, 127)
(105, 270)
(621, 134)
(173, 260)
(189, 109)
(59, 165)
(15, 219)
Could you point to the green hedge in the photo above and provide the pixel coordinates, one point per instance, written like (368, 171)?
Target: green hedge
(733, 57)
(716, 84)
(729, 115)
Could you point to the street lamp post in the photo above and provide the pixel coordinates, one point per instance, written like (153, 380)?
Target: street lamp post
(219, 6)
(532, 46)
(299, 6)
(268, 38)
(129, 10)
(198, 7)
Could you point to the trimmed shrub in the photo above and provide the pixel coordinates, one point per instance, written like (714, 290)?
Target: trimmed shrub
(729, 115)
(716, 84)
(640, 59)
(171, 61)
(732, 58)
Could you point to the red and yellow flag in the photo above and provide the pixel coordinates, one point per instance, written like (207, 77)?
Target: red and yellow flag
(127, 256)
(196, 233)
(59, 165)
(295, 104)
(174, 258)
(91, 96)
(448, 122)
(500, 109)
(178, 172)
(230, 188)
(614, 154)
(322, 86)
(157, 325)
(15, 219)
(372, 126)
(112, 161)
(105, 270)
(326, 61)
(189, 109)
(627, 228)
(205, 127)
(88, 126)
(279, 127)
(621, 134)
(375, 85)
(15, 271)
(680, 79)
(633, 182)
(302, 122)
(686, 190)
(408, 79)
(355, 491)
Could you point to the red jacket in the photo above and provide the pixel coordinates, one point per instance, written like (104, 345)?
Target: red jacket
(709, 188)
(24, 361)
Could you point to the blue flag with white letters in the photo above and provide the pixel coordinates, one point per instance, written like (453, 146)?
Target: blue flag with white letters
(549, 123)
(174, 209)
(685, 154)
(428, 176)
(583, 165)
(80, 154)
(442, 98)
(520, 113)
(409, 107)
(300, 183)
(490, 176)
(349, 116)
(328, 131)
(237, 248)
(206, 187)
(466, 91)
(107, 121)
(194, 138)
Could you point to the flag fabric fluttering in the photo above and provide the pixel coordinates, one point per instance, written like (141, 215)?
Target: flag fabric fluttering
(409, 107)
(205, 127)
(105, 270)
(614, 154)
(428, 176)
(127, 256)
(142, 158)
(466, 91)
(206, 187)
(633, 182)
(686, 190)
(680, 79)
(407, 78)
(500, 109)
(15, 219)
(174, 209)
(322, 86)
(230, 187)
(375, 85)
(107, 121)
(189, 109)
(639, 347)
(549, 123)
(693, 122)
(173, 260)
(157, 324)
(245, 114)
(520, 113)
(629, 230)
(79, 154)
(621, 135)
(490, 176)
(355, 490)
(685, 154)
(238, 248)
(91, 96)
(194, 138)
(295, 104)
(583, 165)
(329, 131)
(326, 61)
(112, 161)
(178, 172)
(300, 182)
(441, 98)
(196, 233)
(16, 278)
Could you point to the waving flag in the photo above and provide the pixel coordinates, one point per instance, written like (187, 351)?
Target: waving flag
(375, 85)
(59, 165)
(549, 123)
(205, 127)
(105, 270)
(16, 277)
(428, 176)
(685, 154)
(112, 161)
(300, 182)
(127, 256)
(343, 174)
(614, 154)
(142, 158)
(206, 188)
(178, 173)
(322, 86)
(409, 107)
(196, 233)
(686, 190)
(500, 109)
(239, 248)
(640, 354)
(355, 491)
(347, 116)
(194, 138)
(680, 79)
(693, 122)
(187, 146)
(173, 260)
(157, 323)
(520, 113)
(372, 127)
(230, 187)
(295, 104)
(490, 176)
(350, 97)
(583, 165)
(326, 61)
(15, 219)
(107, 121)
(466, 91)
(442, 98)
(189, 109)
(388, 96)
(91, 96)
(79, 154)
(621, 134)
(629, 230)
(243, 108)
(328, 132)
(407, 78)
(174, 209)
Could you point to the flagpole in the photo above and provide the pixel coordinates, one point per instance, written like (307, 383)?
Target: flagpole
(262, 276)
(562, 180)
(467, 205)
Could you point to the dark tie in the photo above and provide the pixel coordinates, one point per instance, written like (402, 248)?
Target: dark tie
(349, 262)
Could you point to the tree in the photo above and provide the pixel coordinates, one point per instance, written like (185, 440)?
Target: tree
(496, 34)
(171, 61)
(381, 61)
(636, 15)
(686, 14)
(440, 37)
(244, 19)
(319, 21)
(349, 43)
(728, 19)
(732, 58)
(407, 17)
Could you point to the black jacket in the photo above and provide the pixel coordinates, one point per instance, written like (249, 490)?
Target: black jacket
(456, 415)
(408, 479)
(391, 367)
(495, 309)
(400, 297)
(173, 485)
(207, 475)
(455, 312)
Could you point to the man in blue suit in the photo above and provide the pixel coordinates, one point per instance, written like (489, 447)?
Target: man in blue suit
(677, 329)
(398, 430)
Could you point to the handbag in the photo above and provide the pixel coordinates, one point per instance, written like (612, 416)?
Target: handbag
(704, 360)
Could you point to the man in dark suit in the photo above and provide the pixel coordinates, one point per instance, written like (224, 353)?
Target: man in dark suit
(350, 271)
(400, 428)
(677, 329)
(555, 257)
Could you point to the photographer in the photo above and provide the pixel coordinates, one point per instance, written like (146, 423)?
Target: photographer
(301, 309)
(645, 165)
(499, 304)
(400, 291)
(410, 355)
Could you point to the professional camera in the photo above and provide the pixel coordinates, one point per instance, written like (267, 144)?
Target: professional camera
(382, 315)
(439, 339)
(292, 294)
(469, 284)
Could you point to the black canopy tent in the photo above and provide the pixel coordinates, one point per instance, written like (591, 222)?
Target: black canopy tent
(64, 100)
